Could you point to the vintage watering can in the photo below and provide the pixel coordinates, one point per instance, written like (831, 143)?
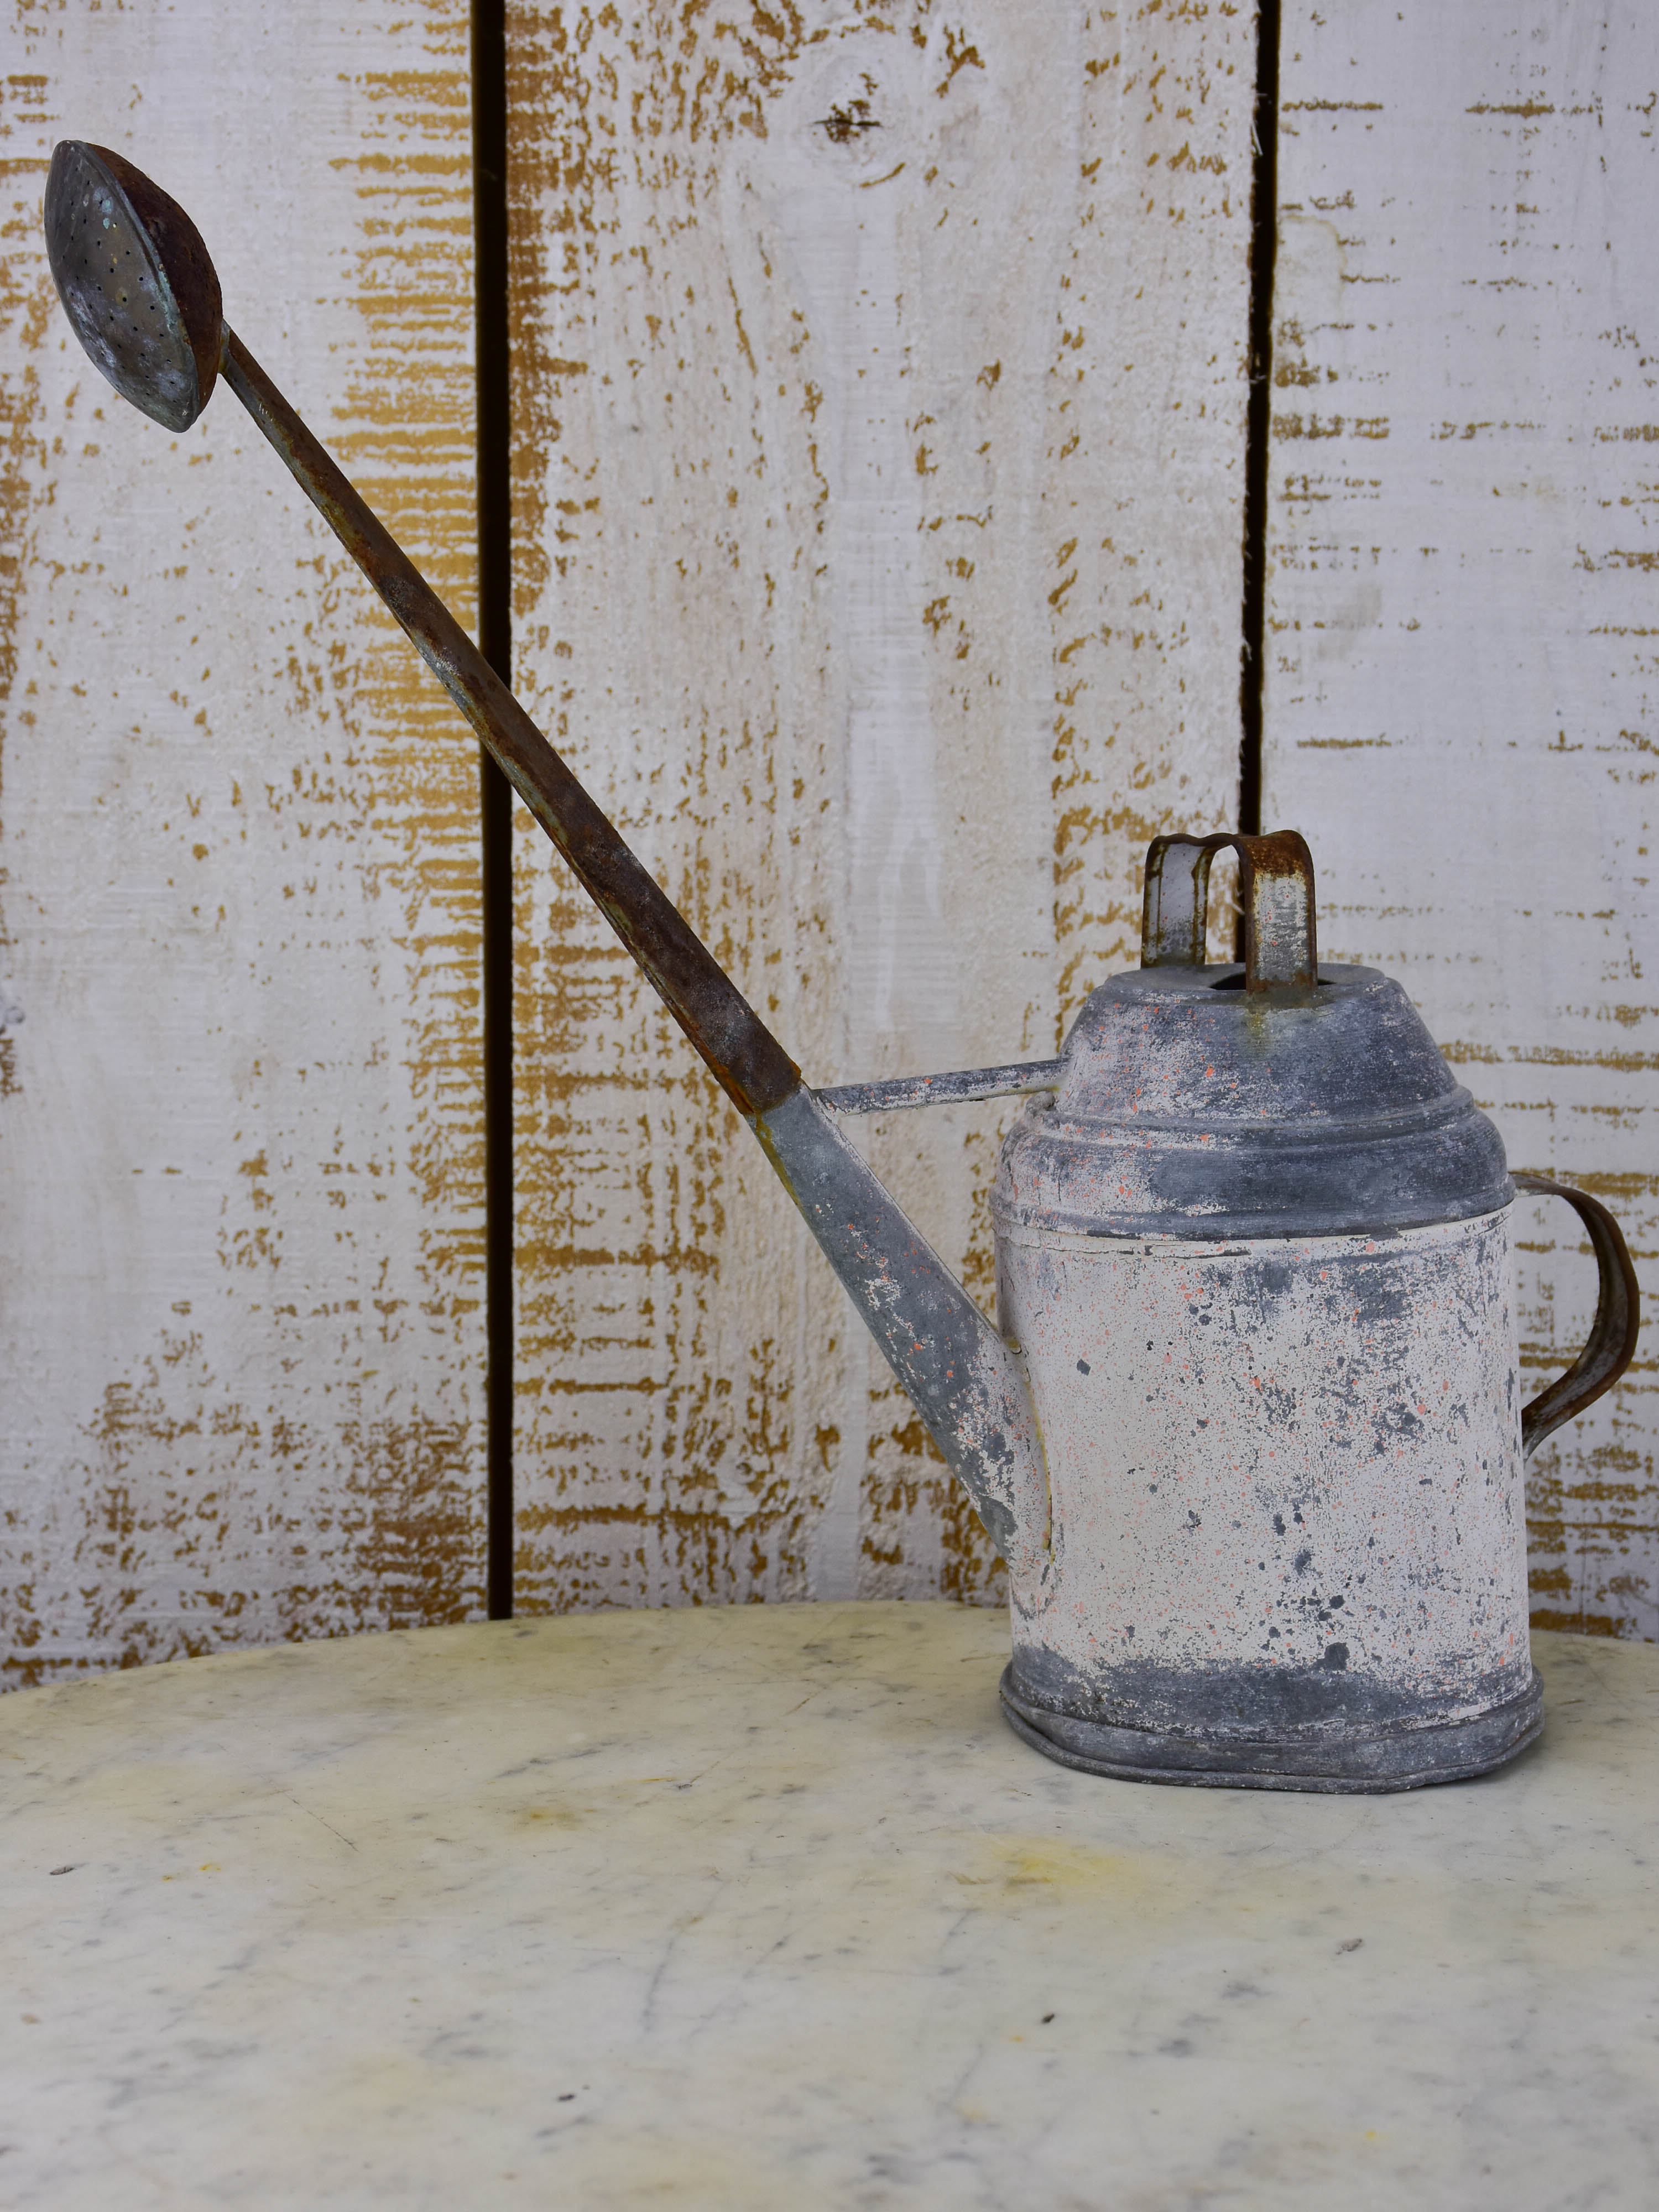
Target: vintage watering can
(1250, 1437)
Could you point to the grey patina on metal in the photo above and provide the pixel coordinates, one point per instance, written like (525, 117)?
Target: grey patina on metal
(1189, 1108)
(1253, 1201)
(1256, 1252)
(960, 1087)
(135, 282)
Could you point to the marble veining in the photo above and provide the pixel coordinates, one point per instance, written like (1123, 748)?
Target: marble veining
(766, 1906)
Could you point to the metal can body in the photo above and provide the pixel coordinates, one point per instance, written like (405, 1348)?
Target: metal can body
(1287, 1541)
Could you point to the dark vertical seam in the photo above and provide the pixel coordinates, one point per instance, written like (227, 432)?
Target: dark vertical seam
(1258, 430)
(494, 400)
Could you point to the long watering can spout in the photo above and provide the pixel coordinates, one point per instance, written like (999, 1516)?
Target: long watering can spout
(142, 294)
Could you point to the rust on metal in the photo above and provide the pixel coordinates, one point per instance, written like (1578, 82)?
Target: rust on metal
(1276, 890)
(1612, 1343)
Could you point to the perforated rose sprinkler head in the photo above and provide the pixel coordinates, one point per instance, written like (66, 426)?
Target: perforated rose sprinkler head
(135, 282)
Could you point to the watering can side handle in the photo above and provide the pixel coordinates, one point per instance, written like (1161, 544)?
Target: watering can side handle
(1612, 1343)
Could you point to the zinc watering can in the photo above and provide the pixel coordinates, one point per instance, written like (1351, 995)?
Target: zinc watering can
(1250, 1435)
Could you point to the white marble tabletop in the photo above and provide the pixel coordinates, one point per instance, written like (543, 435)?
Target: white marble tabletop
(767, 1908)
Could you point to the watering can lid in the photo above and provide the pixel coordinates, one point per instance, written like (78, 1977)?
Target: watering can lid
(1273, 1097)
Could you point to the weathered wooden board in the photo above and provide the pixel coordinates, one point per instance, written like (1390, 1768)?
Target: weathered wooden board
(1460, 705)
(239, 1170)
(878, 476)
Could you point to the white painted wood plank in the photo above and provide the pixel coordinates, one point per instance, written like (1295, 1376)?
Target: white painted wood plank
(879, 462)
(1461, 702)
(239, 1171)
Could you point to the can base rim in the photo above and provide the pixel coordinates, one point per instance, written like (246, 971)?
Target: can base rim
(1359, 1762)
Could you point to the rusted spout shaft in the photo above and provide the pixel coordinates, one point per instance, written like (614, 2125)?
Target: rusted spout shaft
(750, 1065)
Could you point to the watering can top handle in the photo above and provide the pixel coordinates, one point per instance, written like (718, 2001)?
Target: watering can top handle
(1612, 1343)
(1276, 890)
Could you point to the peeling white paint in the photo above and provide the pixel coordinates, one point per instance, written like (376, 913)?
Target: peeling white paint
(1275, 1458)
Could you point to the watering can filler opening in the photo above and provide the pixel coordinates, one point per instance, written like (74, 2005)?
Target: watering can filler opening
(1250, 1434)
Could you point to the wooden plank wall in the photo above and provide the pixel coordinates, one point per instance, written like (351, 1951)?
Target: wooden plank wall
(240, 1154)
(1460, 706)
(878, 470)
(878, 458)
